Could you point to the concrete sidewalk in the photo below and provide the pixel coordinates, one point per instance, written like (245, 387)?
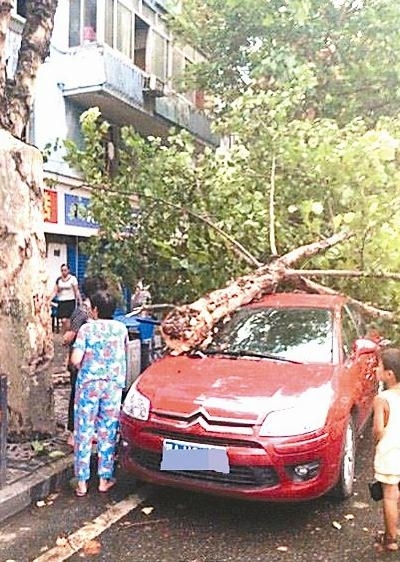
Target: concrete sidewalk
(35, 469)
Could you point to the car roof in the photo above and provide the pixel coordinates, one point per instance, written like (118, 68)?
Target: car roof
(299, 299)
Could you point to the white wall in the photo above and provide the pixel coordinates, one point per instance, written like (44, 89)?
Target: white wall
(49, 123)
(56, 256)
(59, 38)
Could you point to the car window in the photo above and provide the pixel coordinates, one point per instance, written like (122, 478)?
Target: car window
(349, 332)
(358, 319)
(298, 334)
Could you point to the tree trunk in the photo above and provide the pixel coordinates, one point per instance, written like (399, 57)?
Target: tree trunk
(26, 344)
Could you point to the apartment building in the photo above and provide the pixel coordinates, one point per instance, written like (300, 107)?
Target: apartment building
(117, 55)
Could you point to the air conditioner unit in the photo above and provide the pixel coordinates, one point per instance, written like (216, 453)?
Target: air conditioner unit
(153, 86)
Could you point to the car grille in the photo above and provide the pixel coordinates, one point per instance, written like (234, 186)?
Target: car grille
(204, 439)
(239, 476)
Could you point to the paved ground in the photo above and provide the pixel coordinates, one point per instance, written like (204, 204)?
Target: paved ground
(36, 469)
(180, 526)
(148, 524)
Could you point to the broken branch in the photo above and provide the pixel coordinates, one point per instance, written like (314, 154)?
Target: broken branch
(190, 325)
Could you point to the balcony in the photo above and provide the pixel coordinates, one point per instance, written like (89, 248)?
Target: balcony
(96, 75)
(180, 113)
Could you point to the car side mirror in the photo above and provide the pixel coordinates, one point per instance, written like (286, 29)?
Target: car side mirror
(362, 346)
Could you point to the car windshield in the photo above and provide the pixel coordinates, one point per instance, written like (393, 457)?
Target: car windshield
(293, 334)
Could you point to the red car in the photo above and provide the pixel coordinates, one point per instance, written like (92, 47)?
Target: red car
(269, 410)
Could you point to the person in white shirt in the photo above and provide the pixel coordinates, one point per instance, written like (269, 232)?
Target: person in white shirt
(68, 296)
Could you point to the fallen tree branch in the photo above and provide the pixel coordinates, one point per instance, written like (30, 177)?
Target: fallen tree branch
(190, 325)
(369, 309)
(309, 250)
(240, 250)
(341, 273)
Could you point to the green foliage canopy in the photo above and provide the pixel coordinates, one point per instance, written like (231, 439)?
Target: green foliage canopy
(304, 84)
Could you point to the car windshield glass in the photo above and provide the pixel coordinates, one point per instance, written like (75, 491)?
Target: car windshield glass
(295, 334)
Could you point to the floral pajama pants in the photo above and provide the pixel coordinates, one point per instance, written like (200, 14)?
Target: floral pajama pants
(97, 408)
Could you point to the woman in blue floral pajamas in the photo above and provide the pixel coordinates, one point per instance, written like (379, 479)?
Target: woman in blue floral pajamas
(99, 352)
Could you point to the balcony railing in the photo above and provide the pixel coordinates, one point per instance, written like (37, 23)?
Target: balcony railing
(179, 112)
(92, 68)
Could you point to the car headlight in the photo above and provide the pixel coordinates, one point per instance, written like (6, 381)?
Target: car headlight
(293, 421)
(136, 405)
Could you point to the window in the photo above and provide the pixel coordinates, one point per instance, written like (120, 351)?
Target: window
(358, 318)
(294, 334)
(141, 37)
(74, 23)
(89, 21)
(21, 8)
(180, 64)
(82, 22)
(149, 14)
(124, 30)
(178, 67)
(349, 332)
(109, 22)
(159, 56)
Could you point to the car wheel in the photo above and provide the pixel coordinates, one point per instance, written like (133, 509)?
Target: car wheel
(344, 486)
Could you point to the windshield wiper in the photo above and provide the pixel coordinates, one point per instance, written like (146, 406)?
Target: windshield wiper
(196, 353)
(247, 353)
(226, 352)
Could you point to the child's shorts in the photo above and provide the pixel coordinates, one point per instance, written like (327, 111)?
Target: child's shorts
(387, 478)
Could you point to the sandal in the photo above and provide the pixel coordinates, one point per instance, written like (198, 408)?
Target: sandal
(108, 485)
(384, 542)
(80, 493)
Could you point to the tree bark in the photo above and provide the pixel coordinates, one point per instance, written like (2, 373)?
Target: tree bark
(26, 344)
(343, 273)
(26, 347)
(190, 325)
(16, 94)
(34, 49)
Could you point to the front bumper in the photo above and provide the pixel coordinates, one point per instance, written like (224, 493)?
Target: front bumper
(259, 469)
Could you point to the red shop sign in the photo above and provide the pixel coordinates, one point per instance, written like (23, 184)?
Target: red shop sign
(50, 206)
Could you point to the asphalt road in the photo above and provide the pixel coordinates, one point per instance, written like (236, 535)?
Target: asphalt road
(164, 525)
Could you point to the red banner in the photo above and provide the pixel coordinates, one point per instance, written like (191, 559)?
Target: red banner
(50, 206)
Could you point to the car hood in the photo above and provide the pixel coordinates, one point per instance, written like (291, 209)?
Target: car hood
(235, 389)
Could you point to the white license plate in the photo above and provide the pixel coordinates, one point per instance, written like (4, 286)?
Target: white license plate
(181, 455)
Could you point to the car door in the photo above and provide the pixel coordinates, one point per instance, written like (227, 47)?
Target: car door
(362, 367)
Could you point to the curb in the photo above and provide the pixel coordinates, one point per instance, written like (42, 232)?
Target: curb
(45, 480)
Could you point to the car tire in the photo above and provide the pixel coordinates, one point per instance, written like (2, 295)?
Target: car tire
(345, 484)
